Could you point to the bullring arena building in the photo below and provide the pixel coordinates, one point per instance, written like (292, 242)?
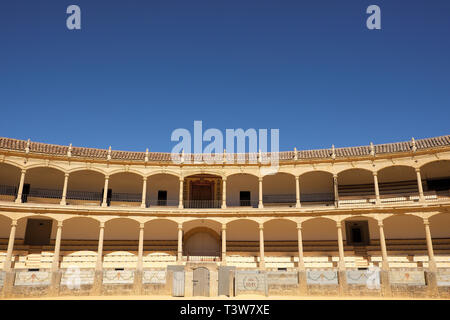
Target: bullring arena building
(371, 220)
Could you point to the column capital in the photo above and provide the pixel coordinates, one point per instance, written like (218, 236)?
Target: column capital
(297, 177)
(23, 171)
(299, 226)
(224, 226)
(144, 179)
(66, 175)
(141, 225)
(417, 170)
(106, 176)
(380, 223)
(224, 179)
(180, 226)
(426, 221)
(375, 173)
(339, 224)
(261, 226)
(260, 179)
(60, 224)
(14, 223)
(335, 175)
(181, 179)
(102, 224)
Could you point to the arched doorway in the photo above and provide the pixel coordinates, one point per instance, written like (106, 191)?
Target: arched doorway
(201, 242)
(200, 282)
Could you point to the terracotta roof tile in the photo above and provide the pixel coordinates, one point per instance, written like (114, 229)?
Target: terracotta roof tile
(58, 150)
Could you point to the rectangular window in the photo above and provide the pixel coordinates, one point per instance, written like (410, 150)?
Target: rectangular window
(357, 233)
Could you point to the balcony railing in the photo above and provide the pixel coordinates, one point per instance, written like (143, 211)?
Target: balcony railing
(126, 197)
(162, 203)
(84, 195)
(45, 193)
(202, 204)
(8, 190)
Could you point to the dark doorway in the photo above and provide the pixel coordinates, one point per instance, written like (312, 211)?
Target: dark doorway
(202, 191)
(244, 198)
(38, 232)
(357, 233)
(25, 192)
(108, 196)
(162, 198)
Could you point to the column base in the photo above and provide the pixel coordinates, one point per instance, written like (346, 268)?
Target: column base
(54, 287)
(18, 200)
(302, 284)
(63, 203)
(138, 283)
(298, 205)
(98, 283)
(343, 288)
(385, 284)
(104, 205)
(260, 206)
(8, 284)
(432, 286)
(143, 205)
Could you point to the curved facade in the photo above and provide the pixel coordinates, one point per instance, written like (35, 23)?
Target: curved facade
(383, 206)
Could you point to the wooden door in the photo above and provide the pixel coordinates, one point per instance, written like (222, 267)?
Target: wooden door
(201, 282)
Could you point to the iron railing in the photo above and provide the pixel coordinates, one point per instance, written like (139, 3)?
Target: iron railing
(202, 204)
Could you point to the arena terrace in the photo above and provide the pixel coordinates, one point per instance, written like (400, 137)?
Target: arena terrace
(77, 220)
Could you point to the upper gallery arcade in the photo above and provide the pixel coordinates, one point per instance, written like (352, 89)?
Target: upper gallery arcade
(413, 172)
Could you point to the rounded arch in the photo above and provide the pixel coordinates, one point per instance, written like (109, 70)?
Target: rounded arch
(374, 231)
(131, 171)
(440, 226)
(161, 229)
(356, 182)
(85, 187)
(41, 165)
(22, 223)
(242, 189)
(204, 172)
(319, 229)
(160, 186)
(397, 180)
(199, 222)
(80, 228)
(396, 172)
(432, 161)
(435, 177)
(279, 229)
(5, 226)
(242, 230)
(279, 188)
(126, 188)
(241, 173)
(165, 171)
(13, 164)
(9, 181)
(201, 241)
(322, 170)
(123, 228)
(404, 226)
(280, 171)
(316, 188)
(39, 177)
(94, 169)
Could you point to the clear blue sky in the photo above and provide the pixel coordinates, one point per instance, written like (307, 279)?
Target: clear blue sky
(140, 69)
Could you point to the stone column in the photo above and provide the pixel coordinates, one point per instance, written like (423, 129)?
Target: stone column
(384, 273)
(336, 193)
(432, 267)
(341, 265)
(56, 275)
(224, 244)
(105, 192)
(97, 288)
(12, 235)
(419, 185)
(180, 198)
(180, 243)
(55, 262)
(377, 189)
(64, 193)
(22, 181)
(297, 192)
(8, 281)
(260, 195)
(224, 193)
(261, 246)
(302, 285)
(140, 263)
(144, 192)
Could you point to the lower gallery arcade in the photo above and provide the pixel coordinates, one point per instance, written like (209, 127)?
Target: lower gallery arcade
(43, 254)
